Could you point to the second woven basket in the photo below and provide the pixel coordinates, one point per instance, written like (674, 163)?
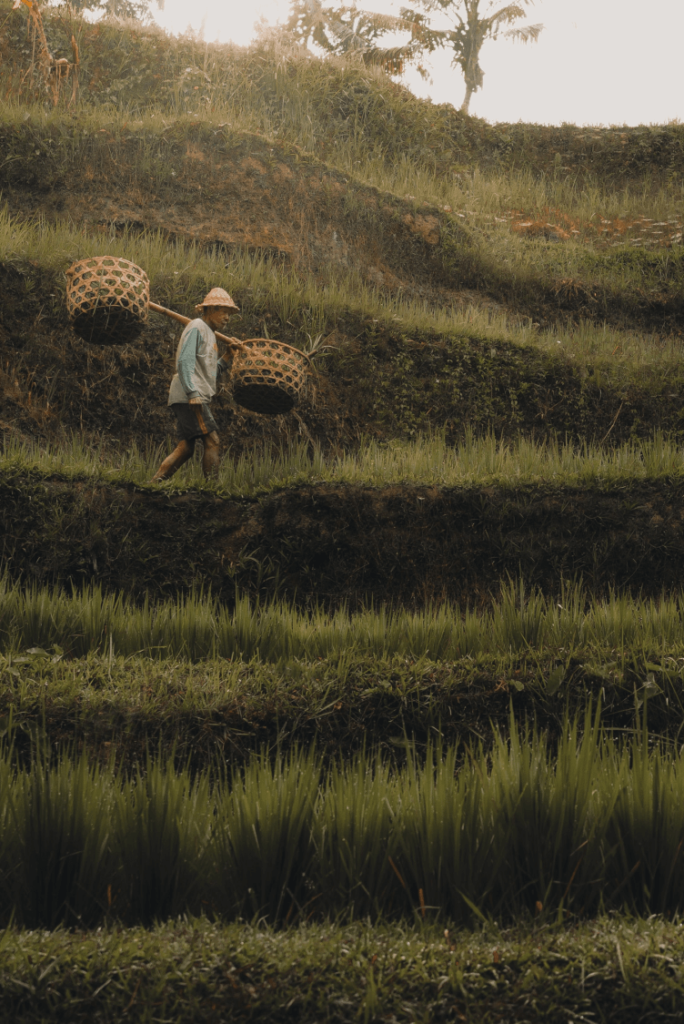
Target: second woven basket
(267, 376)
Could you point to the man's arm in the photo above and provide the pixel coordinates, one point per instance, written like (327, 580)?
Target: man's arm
(186, 364)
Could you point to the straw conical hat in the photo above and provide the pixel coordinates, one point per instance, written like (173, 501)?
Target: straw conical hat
(217, 297)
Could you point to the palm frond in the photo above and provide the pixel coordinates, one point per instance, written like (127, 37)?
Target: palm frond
(386, 22)
(507, 14)
(525, 34)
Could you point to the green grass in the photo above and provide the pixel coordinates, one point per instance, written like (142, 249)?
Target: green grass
(196, 627)
(426, 462)
(483, 194)
(100, 670)
(519, 831)
(478, 194)
(613, 969)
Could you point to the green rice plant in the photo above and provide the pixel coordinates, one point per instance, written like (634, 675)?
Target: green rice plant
(426, 461)
(505, 834)
(447, 847)
(520, 831)
(187, 625)
(161, 829)
(262, 850)
(433, 631)
(551, 816)
(523, 834)
(55, 855)
(196, 628)
(521, 619)
(646, 828)
(10, 846)
(566, 619)
(355, 838)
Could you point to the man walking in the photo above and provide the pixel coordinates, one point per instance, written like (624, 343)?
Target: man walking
(194, 385)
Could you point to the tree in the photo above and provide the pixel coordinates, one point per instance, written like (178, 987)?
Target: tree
(346, 29)
(472, 23)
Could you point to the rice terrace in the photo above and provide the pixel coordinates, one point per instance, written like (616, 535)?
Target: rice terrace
(342, 535)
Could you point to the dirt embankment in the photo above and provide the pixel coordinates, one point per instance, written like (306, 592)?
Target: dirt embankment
(335, 544)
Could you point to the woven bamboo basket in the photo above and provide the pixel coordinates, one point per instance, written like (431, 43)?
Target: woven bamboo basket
(268, 376)
(107, 299)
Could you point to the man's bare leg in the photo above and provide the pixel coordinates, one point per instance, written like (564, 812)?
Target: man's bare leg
(175, 460)
(210, 457)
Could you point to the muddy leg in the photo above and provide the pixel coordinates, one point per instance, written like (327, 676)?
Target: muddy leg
(210, 457)
(178, 456)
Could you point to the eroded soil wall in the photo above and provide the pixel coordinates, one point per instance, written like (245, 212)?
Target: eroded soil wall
(344, 544)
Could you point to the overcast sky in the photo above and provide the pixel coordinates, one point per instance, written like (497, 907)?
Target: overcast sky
(596, 62)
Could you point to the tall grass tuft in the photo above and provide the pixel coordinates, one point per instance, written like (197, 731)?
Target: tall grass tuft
(161, 831)
(262, 850)
(646, 829)
(55, 854)
(355, 838)
(457, 835)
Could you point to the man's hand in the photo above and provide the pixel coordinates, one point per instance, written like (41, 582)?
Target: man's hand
(194, 401)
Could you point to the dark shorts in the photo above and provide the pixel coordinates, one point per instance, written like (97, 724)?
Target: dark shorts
(193, 421)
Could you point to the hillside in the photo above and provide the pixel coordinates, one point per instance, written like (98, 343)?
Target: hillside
(414, 657)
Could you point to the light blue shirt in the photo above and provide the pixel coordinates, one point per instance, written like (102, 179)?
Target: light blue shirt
(197, 364)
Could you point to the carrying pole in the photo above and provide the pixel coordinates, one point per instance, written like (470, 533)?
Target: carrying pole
(185, 320)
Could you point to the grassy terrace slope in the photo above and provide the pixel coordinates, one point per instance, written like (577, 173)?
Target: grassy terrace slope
(202, 683)
(220, 185)
(228, 188)
(337, 107)
(508, 277)
(397, 367)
